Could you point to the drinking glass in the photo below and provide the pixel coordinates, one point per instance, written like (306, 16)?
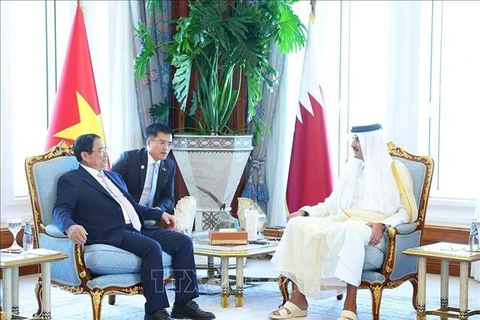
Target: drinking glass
(14, 225)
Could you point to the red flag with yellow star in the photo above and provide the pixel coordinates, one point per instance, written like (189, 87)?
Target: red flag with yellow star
(76, 110)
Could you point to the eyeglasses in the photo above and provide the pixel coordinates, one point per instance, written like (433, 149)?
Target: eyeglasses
(102, 151)
(163, 143)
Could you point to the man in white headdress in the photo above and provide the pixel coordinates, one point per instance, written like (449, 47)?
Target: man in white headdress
(323, 248)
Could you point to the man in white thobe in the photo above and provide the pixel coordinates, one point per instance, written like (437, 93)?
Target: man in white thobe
(323, 248)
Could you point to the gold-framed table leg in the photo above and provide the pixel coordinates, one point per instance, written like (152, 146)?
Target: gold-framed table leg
(210, 267)
(224, 283)
(444, 279)
(46, 292)
(15, 292)
(422, 281)
(239, 283)
(7, 293)
(463, 290)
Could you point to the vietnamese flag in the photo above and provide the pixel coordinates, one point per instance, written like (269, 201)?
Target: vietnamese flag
(310, 176)
(76, 110)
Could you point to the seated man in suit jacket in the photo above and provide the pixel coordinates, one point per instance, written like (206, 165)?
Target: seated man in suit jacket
(137, 168)
(94, 206)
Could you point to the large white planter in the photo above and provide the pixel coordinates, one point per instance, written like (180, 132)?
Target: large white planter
(214, 164)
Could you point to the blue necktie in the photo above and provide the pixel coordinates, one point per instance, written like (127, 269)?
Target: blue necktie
(153, 187)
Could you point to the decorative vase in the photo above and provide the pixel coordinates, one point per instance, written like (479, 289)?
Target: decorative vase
(211, 167)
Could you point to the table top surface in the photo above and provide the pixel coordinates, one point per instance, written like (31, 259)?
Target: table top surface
(445, 250)
(202, 246)
(34, 256)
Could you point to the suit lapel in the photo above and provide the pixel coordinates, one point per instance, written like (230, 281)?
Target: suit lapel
(87, 177)
(113, 179)
(143, 169)
(162, 172)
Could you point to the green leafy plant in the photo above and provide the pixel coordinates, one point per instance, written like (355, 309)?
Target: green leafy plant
(223, 43)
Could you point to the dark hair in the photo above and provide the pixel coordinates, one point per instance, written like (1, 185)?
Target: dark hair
(152, 130)
(84, 143)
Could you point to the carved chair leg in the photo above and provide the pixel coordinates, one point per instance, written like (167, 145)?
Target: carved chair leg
(96, 303)
(111, 299)
(283, 286)
(414, 283)
(38, 295)
(376, 292)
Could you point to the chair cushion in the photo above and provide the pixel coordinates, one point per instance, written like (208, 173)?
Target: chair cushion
(373, 258)
(102, 259)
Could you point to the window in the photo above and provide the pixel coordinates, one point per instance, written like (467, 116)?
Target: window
(451, 72)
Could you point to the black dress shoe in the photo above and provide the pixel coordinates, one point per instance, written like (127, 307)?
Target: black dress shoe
(161, 314)
(190, 311)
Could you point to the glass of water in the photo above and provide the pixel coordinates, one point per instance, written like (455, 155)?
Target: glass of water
(14, 225)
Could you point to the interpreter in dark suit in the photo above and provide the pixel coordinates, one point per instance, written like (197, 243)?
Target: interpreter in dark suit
(94, 206)
(137, 168)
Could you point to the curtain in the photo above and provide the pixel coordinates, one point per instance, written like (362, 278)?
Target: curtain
(256, 186)
(121, 118)
(155, 86)
(279, 150)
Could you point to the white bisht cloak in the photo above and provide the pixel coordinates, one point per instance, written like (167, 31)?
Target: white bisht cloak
(323, 251)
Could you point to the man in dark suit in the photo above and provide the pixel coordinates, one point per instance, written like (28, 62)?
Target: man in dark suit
(137, 169)
(94, 206)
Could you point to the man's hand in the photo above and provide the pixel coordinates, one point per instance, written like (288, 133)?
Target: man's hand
(377, 232)
(77, 234)
(169, 220)
(299, 213)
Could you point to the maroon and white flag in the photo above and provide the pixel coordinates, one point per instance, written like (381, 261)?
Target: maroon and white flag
(310, 176)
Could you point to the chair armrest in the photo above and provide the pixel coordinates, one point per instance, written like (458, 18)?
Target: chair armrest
(53, 231)
(406, 228)
(70, 271)
(401, 237)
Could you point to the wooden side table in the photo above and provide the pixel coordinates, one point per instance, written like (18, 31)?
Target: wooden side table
(10, 264)
(446, 252)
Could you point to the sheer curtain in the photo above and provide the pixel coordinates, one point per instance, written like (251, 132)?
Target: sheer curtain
(111, 49)
(123, 120)
(256, 187)
(156, 86)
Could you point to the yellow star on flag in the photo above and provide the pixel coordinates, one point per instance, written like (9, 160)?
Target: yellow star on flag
(89, 122)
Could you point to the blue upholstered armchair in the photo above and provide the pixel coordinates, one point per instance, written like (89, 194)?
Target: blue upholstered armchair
(391, 268)
(96, 270)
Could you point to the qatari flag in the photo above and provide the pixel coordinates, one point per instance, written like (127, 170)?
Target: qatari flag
(310, 176)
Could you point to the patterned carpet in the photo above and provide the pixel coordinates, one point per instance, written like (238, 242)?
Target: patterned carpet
(260, 299)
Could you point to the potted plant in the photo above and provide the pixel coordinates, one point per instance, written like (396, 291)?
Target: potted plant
(223, 44)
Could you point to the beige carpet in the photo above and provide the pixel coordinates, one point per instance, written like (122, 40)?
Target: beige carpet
(260, 299)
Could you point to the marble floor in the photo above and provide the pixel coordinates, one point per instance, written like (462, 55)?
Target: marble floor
(260, 299)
